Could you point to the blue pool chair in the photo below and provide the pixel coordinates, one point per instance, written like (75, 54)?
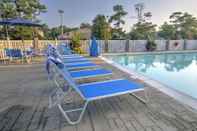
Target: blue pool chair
(76, 63)
(64, 49)
(52, 50)
(7, 52)
(81, 66)
(90, 73)
(14, 53)
(94, 91)
(54, 54)
(75, 60)
(66, 52)
(79, 74)
(72, 63)
(69, 58)
(72, 56)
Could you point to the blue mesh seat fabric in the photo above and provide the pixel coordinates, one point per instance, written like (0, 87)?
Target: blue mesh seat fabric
(104, 89)
(90, 73)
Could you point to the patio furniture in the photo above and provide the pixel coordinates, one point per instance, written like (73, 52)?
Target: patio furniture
(64, 49)
(54, 54)
(14, 54)
(80, 66)
(78, 70)
(75, 60)
(79, 74)
(93, 91)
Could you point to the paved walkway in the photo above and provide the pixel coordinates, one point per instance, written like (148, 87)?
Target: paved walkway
(24, 107)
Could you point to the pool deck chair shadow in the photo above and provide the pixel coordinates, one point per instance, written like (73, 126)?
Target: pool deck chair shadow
(95, 91)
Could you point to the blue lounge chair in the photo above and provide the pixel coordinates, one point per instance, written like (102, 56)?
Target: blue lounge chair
(55, 52)
(90, 73)
(76, 63)
(95, 91)
(78, 74)
(75, 60)
(14, 53)
(72, 56)
(74, 66)
(80, 66)
(64, 49)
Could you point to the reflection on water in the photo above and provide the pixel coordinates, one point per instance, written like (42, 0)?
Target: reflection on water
(178, 71)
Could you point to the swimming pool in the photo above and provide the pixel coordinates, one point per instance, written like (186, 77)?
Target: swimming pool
(176, 70)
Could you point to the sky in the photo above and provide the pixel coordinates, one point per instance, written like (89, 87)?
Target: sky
(78, 11)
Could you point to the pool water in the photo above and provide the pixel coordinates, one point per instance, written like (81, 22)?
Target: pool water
(176, 70)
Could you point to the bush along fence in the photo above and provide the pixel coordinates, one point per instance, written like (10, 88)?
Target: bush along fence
(109, 46)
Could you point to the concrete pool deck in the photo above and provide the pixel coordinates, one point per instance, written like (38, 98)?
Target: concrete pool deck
(24, 92)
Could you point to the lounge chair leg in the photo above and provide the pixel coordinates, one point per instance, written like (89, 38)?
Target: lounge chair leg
(55, 97)
(141, 99)
(65, 113)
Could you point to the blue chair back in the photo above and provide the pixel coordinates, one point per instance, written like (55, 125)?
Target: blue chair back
(16, 53)
(7, 52)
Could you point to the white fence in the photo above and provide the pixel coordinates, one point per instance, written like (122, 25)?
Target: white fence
(118, 46)
(110, 46)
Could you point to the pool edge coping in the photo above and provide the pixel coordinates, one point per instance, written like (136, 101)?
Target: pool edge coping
(179, 96)
(152, 52)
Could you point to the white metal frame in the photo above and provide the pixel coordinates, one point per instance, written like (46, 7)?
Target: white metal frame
(82, 109)
(60, 95)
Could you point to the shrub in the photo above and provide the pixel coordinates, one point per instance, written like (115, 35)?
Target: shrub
(151, 45)
(75, 43)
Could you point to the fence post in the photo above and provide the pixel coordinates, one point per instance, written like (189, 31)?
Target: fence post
(106, 46)
(127, 46)
(35, 43)
(167, 45)
(184, 44)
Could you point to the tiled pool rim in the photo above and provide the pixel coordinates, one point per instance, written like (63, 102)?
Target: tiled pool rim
(181, 97)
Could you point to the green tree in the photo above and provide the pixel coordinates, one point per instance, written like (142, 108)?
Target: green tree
(85, 25)
(167, 31)
(75, 42)
(185, 25)
(117, 19)
(143, 31)
(7, 9)
(47, 32)
(101, 28)
(53, 33)
(28, 9)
